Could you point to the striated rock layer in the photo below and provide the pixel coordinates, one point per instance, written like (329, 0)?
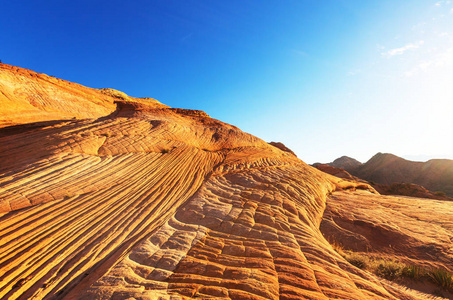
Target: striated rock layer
(27, 96)
(412, 230)
(152, 202)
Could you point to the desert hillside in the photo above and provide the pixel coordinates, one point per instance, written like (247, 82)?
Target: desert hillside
(27, 96)
(401, 189)
(105, 196)
(345, 162)
(435, 175)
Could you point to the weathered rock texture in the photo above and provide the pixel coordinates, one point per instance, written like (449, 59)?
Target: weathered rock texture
(150, 202)
(282, 147)
(27, 96)
(411, 230)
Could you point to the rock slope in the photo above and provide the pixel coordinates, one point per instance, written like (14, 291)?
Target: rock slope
(411, 230)
(143, 201)
(27, 96)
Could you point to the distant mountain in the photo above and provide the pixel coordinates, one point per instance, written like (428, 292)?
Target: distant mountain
(401, 189)
(436, 174)
(345, 162)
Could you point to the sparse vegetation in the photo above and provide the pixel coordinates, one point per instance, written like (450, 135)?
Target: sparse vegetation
(393, 270)
(337, 247)
(163, 151)
(414, 272)
(358, 260)
(389, 269)
(441, 278)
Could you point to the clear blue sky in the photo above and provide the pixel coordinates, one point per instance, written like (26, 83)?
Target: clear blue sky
(327, 78)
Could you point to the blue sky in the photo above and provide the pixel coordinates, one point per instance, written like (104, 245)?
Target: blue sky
(326, 78)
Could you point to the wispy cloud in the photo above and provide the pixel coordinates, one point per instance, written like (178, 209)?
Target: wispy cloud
(354, 72)
(443, 2)
(443, 59)
(402, 50)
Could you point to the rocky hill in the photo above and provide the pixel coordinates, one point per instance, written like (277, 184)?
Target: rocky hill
(401, 189)
(105, 196)
(346, 163)
(435, 175)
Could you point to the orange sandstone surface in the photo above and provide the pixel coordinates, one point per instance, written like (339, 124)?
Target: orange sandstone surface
(407, 229)
(105, 196)
(27, 96)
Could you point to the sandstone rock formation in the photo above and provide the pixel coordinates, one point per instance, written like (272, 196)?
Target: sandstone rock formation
(27, 96)
(403, 230)
(338, 172)
(136, 200)
(412, 230)
(282, 147)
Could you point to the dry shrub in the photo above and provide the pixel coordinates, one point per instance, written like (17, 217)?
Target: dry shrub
(441, 278)
(393, 270)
